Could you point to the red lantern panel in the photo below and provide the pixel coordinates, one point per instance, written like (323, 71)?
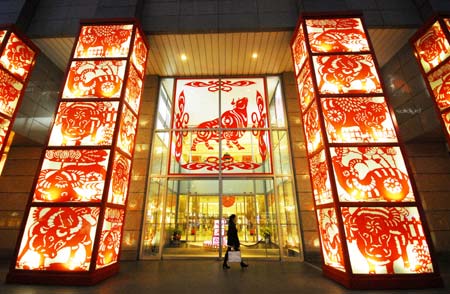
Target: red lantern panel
(341, 74)
(104, 41)
(299, 50)
(2, 35)
(127, 131)
(312, 129)
(58, 239)
(357, 120)
(17, 57)
(133, 90)
(10, 90)
(110, 238)
(305, 87)
(386, 240)
(320, 179)
(139, 54)
(95, 79)
(432, 48)
(446, 120)
(440, 84)
(119, 180)
(4, 125)
(84, 123)
(371, 174)
(72, 175)
(330, 238)
(336, 35)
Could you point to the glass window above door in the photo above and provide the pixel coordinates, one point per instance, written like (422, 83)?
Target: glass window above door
(220, 126)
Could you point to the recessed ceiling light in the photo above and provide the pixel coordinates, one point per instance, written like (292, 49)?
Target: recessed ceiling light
(183, 57)
(255, 55)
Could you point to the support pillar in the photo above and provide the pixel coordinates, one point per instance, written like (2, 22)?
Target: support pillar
(372, 228)
(73, 223)
(17, 58)
(432, 50)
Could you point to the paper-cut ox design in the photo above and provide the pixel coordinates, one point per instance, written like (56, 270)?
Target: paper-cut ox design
(234, 118)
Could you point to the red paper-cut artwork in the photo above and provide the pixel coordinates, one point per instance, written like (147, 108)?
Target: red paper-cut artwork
(299, 50)
(440, 84)
(119, 179)
(127, 131)
(110, 237)
(239, 139)
(330, 238)
(139, 54)
(357, 120)
(432, 48)
(17, 57)
(84, 123)
(10, 90)
(320, 179)
(58, 238)
(133, 90)
(371, 174)
(305, 87)
(339, 74)
(312, 129)
(386, 240)
(95, 79)
(103, 41)
(337, 35)
(72, 175)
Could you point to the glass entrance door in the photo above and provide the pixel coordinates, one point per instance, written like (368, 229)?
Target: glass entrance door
(197, 216)
(215, 152)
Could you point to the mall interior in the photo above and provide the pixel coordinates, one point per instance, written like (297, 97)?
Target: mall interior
(224, 71)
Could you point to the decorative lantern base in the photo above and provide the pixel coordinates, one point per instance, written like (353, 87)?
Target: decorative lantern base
(384, 281)
(61, 278)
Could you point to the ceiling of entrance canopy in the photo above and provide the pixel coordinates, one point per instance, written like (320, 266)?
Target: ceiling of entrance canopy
(225, 53)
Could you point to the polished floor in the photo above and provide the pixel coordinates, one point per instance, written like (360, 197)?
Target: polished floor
(207, 276)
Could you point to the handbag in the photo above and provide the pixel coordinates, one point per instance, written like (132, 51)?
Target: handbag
(234, 256)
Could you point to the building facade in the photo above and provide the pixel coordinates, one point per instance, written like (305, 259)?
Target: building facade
(178, 203)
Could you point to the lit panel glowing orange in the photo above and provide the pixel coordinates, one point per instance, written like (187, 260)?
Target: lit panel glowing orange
(58, 238)
(104, 41)
(120, 177)
(320, 178)
(358, 119)
(312, 128)
(305, 87)
(346, 74)
(386, 240)
(17, 59)
(72, 175)
(358, 168)
(371, 173)
(110, 237)
(432, 50)
(336, 35)
(75, 218)
(84, 124)
(95, 79)
(330, 238)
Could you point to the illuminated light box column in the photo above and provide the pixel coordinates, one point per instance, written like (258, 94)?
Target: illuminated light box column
(73, 225)
(370, 221)
(432, 50)
(17, 59)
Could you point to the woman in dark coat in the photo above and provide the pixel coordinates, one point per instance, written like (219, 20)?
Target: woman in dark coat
(233, 241)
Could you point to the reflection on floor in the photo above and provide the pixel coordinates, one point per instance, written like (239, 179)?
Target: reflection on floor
(260, 249)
